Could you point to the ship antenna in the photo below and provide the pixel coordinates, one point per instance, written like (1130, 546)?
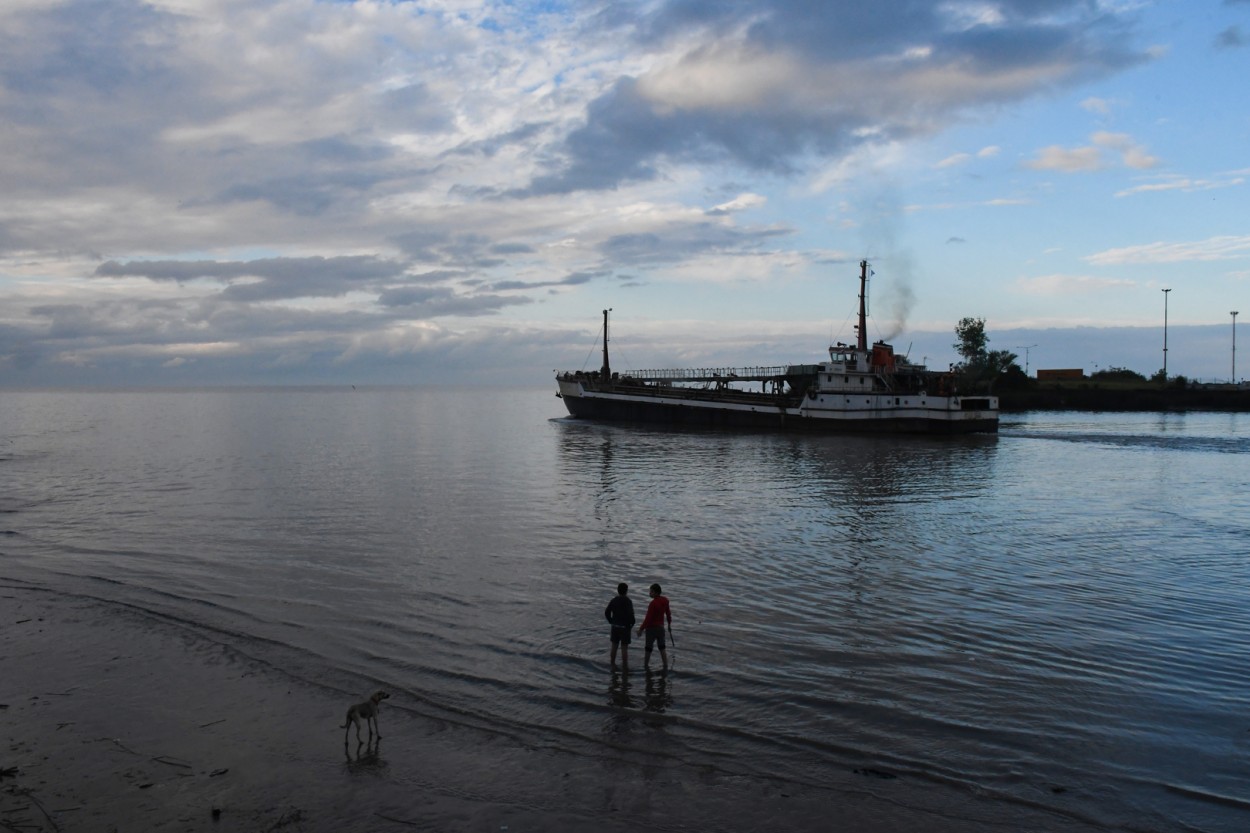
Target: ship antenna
(607, 369)
(863, 307)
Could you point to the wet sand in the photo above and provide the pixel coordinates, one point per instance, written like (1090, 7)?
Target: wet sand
(117, 721)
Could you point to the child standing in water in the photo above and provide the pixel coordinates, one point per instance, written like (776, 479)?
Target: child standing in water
(653, 625)
(620, 615)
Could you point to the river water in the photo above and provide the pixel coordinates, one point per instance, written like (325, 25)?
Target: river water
(1056, 616)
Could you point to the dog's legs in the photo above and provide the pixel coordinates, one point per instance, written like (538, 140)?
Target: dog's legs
(352, 717)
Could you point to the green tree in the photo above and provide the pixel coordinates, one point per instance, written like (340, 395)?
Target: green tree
(1117, 374)
(972, 339)
(981, 367)
(1013, 378)
(998, 362)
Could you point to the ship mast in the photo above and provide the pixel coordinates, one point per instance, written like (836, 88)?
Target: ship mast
(863, 309)
(607, 370)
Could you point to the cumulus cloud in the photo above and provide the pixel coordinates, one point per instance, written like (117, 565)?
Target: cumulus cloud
(1100, 106)
(1225, 247)
(1069, 285)
(954, 160)
(1132, 154)
(1092, 157)
(764, 91)
(742, 202)
(958, 159)
(1067, 160)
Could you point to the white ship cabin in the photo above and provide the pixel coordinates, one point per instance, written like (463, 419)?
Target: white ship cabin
(852, 370)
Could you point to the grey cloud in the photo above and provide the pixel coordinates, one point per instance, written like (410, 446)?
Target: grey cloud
(575, 279)
(97, 82)
(351, 267)
(100, 46)
(512, 249)
(308, 178)
(130, 323)
(683, 242)
(414, 106)
(438, 276)
(297, 194)
(523, 136)
(824, 28)
(625, 137)
(118, 322)
(466, 251)
(278, 278)
(11, 239)
(106, 94)
(20, 349)
(77, 320)
(421, 244)
(409, 295)
(615, 146)
(420, 304)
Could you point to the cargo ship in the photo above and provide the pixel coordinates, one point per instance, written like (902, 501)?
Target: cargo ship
(859, 389)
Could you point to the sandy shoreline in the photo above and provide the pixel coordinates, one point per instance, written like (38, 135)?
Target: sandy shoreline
(114, 721)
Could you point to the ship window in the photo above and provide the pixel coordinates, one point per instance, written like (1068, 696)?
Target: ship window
(896, 400)
(846, 379)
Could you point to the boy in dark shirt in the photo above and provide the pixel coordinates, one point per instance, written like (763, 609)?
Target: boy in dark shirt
(620, 615)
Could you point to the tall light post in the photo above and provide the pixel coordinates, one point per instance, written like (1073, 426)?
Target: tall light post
(1026, 348)
(1234, 315)
(1165, 334)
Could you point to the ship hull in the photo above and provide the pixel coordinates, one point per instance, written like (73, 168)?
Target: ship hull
(825, 414)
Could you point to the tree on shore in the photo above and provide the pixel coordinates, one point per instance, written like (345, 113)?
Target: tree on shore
(1116, 374)
(972, 341)
(980, 365)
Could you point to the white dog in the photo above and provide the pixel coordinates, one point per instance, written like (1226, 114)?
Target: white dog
(366, 711)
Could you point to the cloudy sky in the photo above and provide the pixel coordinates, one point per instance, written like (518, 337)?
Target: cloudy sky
(201, 192)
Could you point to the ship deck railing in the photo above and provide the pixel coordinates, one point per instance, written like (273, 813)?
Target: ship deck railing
(708, 374)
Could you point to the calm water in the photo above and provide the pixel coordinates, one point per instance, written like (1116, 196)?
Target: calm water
(1056, 616)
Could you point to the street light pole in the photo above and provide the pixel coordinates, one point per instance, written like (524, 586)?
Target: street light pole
(1234, 315)
(1165, 334)
(1026, 348)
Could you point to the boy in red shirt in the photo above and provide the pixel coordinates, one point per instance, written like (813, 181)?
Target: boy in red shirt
(653, 624)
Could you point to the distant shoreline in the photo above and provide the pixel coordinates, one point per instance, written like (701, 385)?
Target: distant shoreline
(1093, 396)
